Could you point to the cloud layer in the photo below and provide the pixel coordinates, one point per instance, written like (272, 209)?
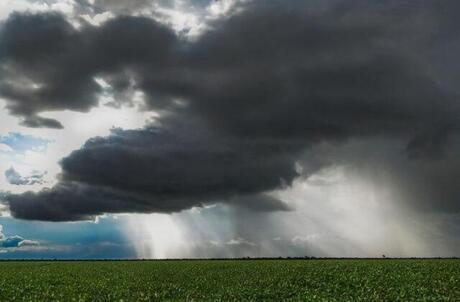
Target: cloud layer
(14, 241)
(244, 105)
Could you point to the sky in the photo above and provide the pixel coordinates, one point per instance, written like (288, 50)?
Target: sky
(229, 128)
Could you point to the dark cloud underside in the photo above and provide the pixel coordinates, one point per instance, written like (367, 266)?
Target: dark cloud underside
(256, 91)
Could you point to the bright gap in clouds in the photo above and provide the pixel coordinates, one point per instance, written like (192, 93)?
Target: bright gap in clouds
(78, 127)
(9, 6)
(156, 236)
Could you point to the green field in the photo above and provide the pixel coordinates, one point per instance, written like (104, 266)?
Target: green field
(230, 280)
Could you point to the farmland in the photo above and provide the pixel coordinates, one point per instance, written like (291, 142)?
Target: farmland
(224, 280)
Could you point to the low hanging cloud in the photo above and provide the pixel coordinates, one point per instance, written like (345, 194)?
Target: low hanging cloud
(118, 6)
(14, 241)
(13, 177)
(242, 104)
(164, 169)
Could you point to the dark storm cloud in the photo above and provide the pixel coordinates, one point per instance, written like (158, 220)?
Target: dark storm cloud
(71, 201)
(256, 91)
(161, 169)
(46, 64)
(426, 183)
(44, 67)
(260, 203)
(277, 72)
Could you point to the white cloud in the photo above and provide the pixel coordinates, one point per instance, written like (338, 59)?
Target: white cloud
(27, 242)
(221, 8)
(296, 240)
(64, 6)
(240, 241)
(5, 148)
(97, 19)
(9, 6)
(15, 242)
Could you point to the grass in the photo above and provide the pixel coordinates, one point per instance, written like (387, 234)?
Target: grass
(230, 280)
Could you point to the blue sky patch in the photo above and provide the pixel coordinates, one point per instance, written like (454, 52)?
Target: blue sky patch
(82, 240)
(20, 143)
